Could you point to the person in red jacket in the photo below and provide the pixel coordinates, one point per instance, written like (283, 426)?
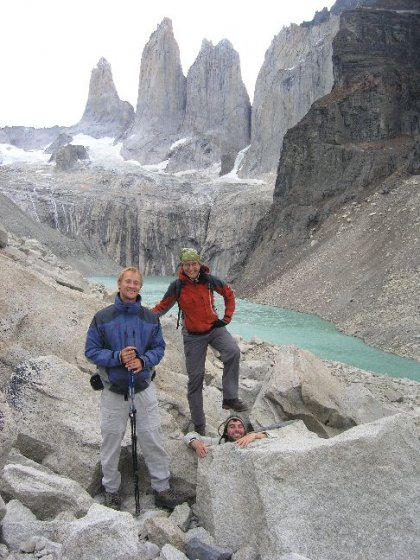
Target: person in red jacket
(194, 291)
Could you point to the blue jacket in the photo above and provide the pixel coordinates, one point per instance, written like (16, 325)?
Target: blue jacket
(120, 325)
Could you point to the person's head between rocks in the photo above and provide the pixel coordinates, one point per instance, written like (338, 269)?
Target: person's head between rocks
(232, 429)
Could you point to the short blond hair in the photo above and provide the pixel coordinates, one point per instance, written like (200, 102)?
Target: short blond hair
(130, 269)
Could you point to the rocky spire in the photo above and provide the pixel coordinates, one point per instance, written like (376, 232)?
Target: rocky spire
(218, 108)
(161, 98)
(297, 70)
(105, 113)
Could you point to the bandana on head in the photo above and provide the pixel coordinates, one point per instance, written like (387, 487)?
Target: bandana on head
(189, 254)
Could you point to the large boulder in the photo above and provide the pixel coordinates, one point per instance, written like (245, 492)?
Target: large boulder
(30, 322)
(45, 493)
(300, 386)
(102, 533)
(68, 157)
(8, 430)
(63, 139)
(58, 417)
(355, 495)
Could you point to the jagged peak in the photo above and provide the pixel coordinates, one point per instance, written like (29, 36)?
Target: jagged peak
(103, 64)
(225, 44)
(101, 77)
(206, 44)
(320, 17)
(165, 25)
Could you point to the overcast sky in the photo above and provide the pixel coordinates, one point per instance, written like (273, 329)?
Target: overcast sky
(49, 47)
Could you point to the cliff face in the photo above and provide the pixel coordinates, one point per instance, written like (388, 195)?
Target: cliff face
(161, 99)
(217, 115)
(360, 139)
(140, 218)
(193, 122)
(367, 127)
(297, 70)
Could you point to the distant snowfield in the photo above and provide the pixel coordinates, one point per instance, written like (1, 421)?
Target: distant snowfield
(10, 154)
(101, 151)
(104, 153)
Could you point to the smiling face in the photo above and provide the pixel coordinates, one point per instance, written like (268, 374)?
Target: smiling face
(129, 286)
(191, 269)
(235, 430)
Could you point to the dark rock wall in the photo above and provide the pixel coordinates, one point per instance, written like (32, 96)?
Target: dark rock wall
(351, 139)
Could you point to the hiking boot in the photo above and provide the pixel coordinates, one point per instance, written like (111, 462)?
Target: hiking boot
(200, 429)
(234, 404)
(113, 500)
(168, 499)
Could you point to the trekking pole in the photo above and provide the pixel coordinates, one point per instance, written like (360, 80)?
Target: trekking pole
(132, 414)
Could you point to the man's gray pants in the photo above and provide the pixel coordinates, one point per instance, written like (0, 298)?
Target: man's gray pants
(114, 419)
(195, 350)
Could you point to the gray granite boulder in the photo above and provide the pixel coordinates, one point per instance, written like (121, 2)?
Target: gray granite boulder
(68, 157)
(102, 533)
(355, 495)
(8, 430)
(58, 417)
(300, 386)
(45, 493)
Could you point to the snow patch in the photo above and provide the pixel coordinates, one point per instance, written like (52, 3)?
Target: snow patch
(99, 149)
(11, 154)
(179, 142)
(157, 167)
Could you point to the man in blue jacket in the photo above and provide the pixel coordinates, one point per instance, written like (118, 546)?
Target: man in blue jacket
(122, 338)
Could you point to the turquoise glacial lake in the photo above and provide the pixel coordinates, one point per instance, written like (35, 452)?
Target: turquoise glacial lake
(284, 327)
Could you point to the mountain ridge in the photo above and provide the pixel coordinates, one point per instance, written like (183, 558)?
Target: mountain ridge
(358, 141)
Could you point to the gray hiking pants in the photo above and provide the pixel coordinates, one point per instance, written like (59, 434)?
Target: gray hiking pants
(195, 350)
(114, 419)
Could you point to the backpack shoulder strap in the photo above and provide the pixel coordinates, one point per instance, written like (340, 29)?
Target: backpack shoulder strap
(211, 282)
(179, 284)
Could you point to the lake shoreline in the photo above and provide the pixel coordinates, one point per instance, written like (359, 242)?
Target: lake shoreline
(280, 326)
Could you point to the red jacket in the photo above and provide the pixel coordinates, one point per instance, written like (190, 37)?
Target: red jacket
(196, 300)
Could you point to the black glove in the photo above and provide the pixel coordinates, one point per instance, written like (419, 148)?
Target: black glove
(219, 323)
